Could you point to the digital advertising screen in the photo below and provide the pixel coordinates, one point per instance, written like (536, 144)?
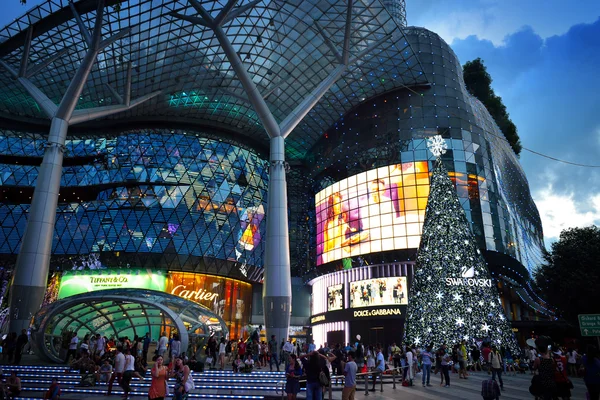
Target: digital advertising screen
(335, 297)
(379, 292)
(378, 210)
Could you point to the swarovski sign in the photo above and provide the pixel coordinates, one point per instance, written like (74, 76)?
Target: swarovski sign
(468, 279)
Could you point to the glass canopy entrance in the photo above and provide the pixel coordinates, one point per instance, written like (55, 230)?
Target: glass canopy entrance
(118, 313)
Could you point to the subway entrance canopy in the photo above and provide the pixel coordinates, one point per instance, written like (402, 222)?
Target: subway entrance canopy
(123, 312)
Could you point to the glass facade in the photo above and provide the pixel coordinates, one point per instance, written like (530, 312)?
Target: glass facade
(144, 198)
(393, 128)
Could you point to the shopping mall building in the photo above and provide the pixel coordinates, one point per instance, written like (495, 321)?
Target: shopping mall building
(170, 193)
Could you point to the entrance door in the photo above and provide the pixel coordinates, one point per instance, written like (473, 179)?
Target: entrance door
(376, 335)
(334, 337)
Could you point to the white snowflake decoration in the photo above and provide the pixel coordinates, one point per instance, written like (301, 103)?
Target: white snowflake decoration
(437, 145)
(460, 321)
(485, 327)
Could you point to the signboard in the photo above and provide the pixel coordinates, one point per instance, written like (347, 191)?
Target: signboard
(378, 292)
(77, 283)
(335, 297)
(349, 314)
(228, 298)
(589, 324)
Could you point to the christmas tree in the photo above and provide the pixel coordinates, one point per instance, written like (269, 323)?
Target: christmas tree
(452, 297)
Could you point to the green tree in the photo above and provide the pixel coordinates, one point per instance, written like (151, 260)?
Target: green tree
(479, 84)
(570, 278)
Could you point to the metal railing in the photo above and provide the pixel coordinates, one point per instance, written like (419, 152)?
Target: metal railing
(281, 384)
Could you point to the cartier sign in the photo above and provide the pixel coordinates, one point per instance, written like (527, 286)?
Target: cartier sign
(194, 295)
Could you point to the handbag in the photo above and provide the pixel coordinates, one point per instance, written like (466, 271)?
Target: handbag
(189, 384)
(536, 385)
(323, 379)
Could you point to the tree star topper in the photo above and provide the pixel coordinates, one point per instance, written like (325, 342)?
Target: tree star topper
(437, 145)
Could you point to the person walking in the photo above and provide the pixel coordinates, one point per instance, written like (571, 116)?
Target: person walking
(292, 377)
(128, 373)
(273, 353)
(572, 357)
(446, 358)
(146, 346)
(379, 367)
(426, 361)
(490, 389)
(495, 360)
(288, 348)
(72, 347)
(591, 363)
(22, 340)
(544, 387)
(162, 345)
(118, 370)
(158, 387)
(350, 369)
(175, 347)
(222, 347)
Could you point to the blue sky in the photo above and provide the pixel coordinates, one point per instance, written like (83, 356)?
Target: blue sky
(543, 56)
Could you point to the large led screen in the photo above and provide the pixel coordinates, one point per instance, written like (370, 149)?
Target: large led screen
(379, 292)
(335, 297)
(377, 210)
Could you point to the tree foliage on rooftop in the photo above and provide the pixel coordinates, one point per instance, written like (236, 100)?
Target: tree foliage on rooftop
(479, 84)
(570, 279)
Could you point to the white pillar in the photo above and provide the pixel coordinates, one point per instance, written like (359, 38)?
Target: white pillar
(277, 285)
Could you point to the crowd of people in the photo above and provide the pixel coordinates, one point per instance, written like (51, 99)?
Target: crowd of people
(102, 360)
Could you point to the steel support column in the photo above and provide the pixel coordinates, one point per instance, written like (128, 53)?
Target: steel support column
(277, 282)
(30, 275)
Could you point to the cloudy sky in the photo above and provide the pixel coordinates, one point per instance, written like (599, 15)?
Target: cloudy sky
(543, 56)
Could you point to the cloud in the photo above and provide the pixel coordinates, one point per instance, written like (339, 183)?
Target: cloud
(563, 211)
(493, 20)
(550, 88)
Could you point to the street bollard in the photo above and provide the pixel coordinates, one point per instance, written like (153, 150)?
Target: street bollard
(366, 384)
(394, 377)
(330, 389)
(381, 380)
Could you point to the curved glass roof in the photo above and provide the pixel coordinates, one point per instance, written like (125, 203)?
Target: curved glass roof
(281, 43)
(123, 312)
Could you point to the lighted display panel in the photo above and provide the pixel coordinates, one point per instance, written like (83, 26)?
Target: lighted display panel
(229, 298)
(379, 292)
(335, 297)
(377, 210)
(77, 283)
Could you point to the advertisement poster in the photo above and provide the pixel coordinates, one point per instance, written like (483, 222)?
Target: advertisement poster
(72, 283)
(335, 297)
(378, 210)
(379, 292)
(229, 298)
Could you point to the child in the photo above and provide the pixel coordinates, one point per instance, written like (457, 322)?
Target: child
(237, 364)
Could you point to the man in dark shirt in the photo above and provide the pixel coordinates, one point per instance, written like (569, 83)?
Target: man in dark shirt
(21, 342)
(146, 346)
(273, 353)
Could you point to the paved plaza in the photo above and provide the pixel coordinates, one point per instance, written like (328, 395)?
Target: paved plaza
(262, 384)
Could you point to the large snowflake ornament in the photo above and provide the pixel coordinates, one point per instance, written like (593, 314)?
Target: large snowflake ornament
(437, 145)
